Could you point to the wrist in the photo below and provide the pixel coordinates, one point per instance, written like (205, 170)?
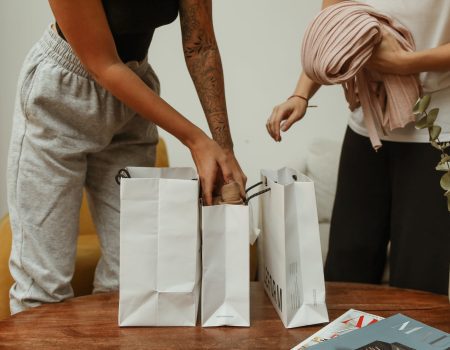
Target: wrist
(195, 139)
(224, 140)
(301, 99)
(408, 63)
(229, 151)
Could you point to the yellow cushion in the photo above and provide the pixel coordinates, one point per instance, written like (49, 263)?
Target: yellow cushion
(86, 224)
(162, 157)
(87, 257)
(6, 280)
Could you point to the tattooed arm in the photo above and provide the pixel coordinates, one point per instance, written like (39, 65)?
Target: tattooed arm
(86, 28)
(205, 67)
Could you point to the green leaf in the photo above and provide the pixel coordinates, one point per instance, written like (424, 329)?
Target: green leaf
(416, 106)
(432, 115)
(424, 103)
(436, 145)
(443, 167)
(419, 115)
(444, 164)
(434, 131)
(422, 123)
(445, 181)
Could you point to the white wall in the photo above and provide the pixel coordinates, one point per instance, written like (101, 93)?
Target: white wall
(21, 24)
(260, 46)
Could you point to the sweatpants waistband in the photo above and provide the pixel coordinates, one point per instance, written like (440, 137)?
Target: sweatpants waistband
(59, 50)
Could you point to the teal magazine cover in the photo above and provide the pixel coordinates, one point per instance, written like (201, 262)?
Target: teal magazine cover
(398, 332)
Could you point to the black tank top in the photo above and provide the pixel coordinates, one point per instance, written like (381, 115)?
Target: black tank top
(133, 22)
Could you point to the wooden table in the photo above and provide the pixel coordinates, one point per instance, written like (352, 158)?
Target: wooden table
(90, 322)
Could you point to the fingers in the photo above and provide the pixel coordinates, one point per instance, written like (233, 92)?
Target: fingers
(207, 183)
(276, 124)
(237, 173)
(273, 123)
(293, 118)
(269, 123)
(227, 174)
(290, 112)
(241, 179)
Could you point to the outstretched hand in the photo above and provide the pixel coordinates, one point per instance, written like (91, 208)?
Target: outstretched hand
(284, 116)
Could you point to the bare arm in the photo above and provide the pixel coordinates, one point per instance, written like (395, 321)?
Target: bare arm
(85, 26)
(389, 57)
(326, 3)
(305, 86)
(205, 67)
(291, 111)
(436, 59)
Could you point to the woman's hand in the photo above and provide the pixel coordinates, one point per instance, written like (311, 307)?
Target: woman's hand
(204, 64)
(284, 115)
(236, 171)
(389, 57)
(213, 165)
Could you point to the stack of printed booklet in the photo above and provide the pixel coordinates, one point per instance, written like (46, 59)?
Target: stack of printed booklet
(357, 330)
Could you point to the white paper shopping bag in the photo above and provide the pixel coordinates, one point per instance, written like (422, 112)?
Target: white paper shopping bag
(159, 247)
(293, 270)
(225, 297)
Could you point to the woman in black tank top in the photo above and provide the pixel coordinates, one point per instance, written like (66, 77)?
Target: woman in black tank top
(133, 23)
(87, 107)
(105, 34)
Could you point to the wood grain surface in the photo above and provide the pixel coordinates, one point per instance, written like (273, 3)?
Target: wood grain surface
(90, 322)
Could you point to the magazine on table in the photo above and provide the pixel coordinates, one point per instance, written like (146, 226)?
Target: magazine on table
(397, 332)
(347, 322)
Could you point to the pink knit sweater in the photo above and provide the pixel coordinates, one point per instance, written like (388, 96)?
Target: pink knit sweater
(337, 44)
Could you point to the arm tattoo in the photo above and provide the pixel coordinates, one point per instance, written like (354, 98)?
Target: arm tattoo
(205, 67)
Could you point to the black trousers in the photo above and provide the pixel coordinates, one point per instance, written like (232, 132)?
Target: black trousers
(392, 195)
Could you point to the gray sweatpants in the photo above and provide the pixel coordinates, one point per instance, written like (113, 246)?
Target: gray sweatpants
(68, 133)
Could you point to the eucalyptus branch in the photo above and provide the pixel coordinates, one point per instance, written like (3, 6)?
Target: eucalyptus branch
(426, 119)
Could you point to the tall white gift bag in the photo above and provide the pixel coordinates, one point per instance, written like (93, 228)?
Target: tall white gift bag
(225, 297)
(227, 233)
(159, 247)
(293, 269)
